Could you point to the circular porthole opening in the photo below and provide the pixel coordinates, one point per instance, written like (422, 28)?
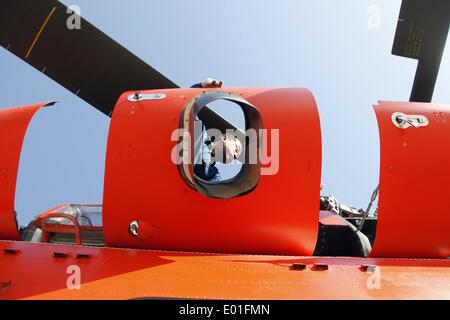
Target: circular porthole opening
(224, 139)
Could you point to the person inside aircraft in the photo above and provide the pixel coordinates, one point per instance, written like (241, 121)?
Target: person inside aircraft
(208, 83)
(229, 144)
(230, 147)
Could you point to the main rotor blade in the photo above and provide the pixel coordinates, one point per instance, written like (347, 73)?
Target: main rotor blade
(421, 34)
(85, 61)
(213, 120)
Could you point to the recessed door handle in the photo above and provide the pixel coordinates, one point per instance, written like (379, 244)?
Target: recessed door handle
(404, 121)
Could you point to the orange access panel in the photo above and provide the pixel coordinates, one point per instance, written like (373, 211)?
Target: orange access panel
(413, 216)
(13, 126)
(279, 216)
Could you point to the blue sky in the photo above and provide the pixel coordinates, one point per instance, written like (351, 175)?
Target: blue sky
(323, 45)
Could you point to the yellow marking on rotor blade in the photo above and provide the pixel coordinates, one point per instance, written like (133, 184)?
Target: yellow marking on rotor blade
(40, 32)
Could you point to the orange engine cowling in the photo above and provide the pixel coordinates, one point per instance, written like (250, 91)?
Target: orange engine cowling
(13, 126)
(413, 219)
(277, 210)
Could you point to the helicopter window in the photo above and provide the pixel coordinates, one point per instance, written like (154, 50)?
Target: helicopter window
(86, 215)
(71, 224)
(220, 165)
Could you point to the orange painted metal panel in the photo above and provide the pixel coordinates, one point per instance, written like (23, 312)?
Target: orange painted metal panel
(34, 273)
(413, 219)
(280, 216)
(13, 126)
